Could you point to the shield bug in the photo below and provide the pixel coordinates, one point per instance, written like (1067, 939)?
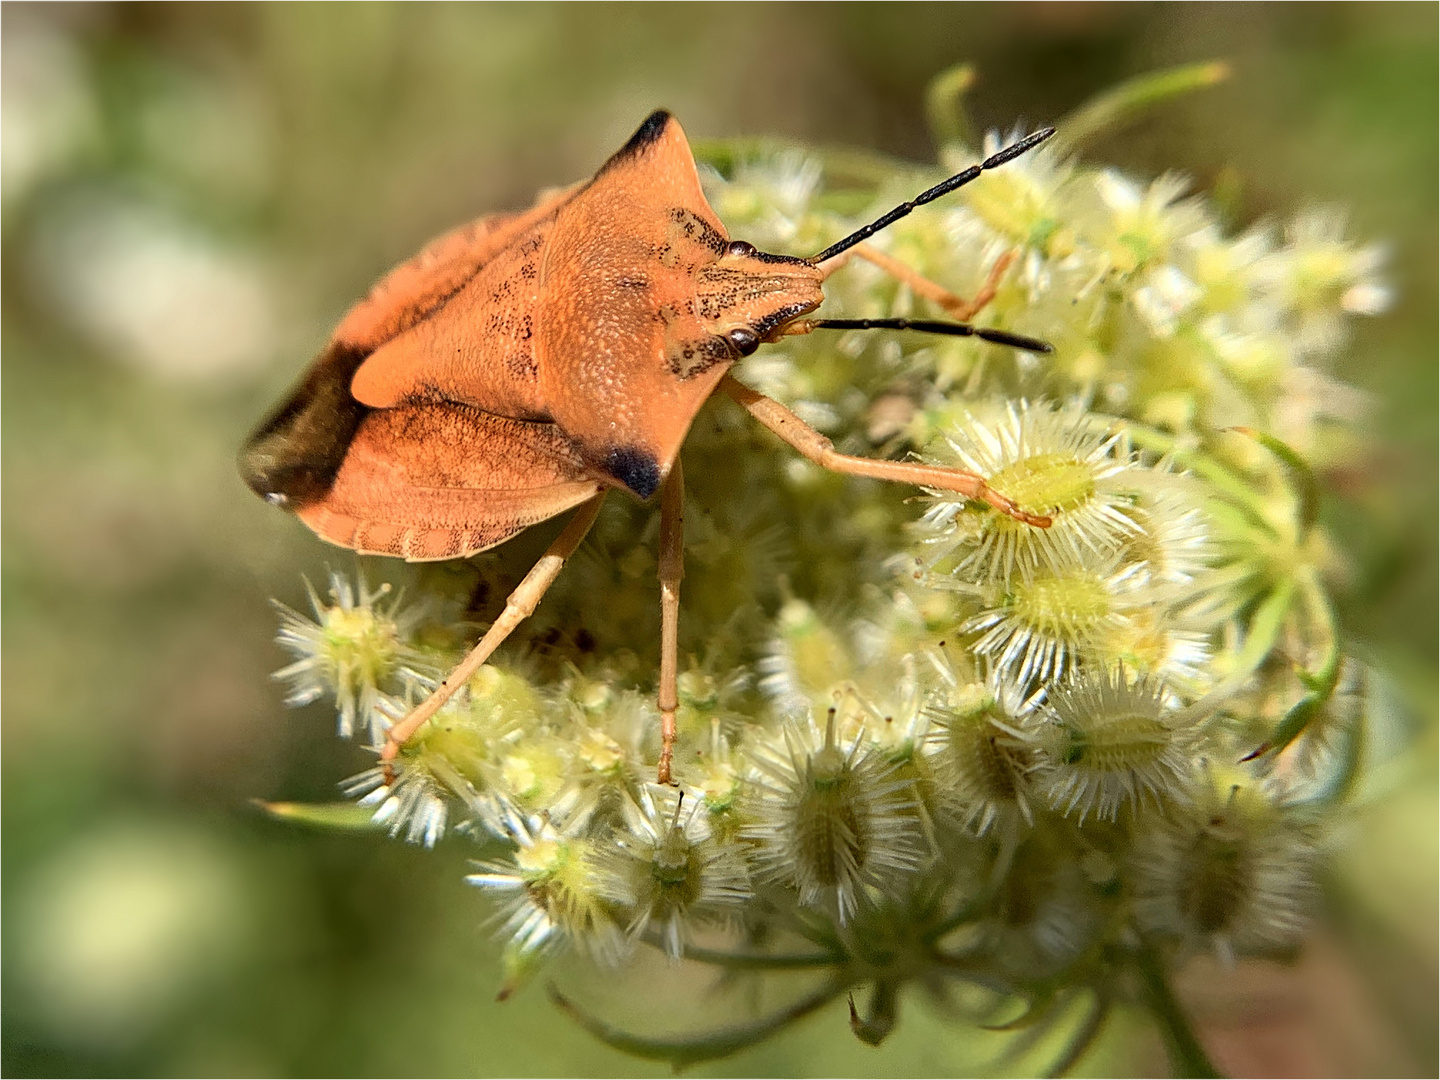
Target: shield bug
(528, 363)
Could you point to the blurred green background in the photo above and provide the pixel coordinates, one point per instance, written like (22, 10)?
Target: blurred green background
(192, 195)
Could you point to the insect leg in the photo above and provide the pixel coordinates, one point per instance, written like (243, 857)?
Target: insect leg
(672, 569)
(519, 606)
(820, 450)
(957, 306)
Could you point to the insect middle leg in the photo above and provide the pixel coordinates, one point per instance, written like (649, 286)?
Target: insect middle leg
(672, 569)
(821, 450)
(957, 306)
(519, 606)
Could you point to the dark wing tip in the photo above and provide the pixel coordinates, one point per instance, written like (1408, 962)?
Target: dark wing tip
(292, 458)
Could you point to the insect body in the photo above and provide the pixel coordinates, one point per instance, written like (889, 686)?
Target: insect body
(528, 363)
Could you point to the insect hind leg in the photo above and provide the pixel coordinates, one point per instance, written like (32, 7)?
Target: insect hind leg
(519, 606)
(671, 570)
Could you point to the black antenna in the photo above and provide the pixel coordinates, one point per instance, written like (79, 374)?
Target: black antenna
(928, 326)
(960, 179)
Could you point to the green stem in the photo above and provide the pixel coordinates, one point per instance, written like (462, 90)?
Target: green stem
(680, 1052)
(945, 112)
(1307, 484)
(1037, 1009)
(1187, 1056)
(1117, 105)
(1321, 682)
(1266, 623)
(1027, 1038)
(1083, 1038)
(1197, 461)
(1321, 615)
(755, 961)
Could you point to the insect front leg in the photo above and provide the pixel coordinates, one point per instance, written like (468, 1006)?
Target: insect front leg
(820, 450)
(519, 606)
(956, 306)
(672, 569)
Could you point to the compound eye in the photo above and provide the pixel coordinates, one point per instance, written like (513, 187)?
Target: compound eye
(743, 341)
(741, 248)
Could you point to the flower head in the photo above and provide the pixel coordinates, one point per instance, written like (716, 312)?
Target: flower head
(1026, 201)
(1227, 271)
(416, 803)
(499, 738)
(1046, 910)
(771, 196)
(1319, 277)
(806, 660)
(1109, 740)
(666, 869)
(829, 820)
(1171, 537)
(1138, 227)
(548, 891)
(1050, 461)
(981, 752)
(355, 649)
(1042, 628)
(1158, 638)
(534, 770)
(707, 698)
(457, 755)
(1233, 870)
(604, 758)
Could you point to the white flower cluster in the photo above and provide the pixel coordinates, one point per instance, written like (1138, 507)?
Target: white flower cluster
(989, 747)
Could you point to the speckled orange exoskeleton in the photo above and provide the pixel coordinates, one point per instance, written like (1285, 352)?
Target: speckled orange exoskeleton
(528, 363)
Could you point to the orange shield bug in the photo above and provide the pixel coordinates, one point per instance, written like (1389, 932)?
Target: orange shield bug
(528, 363)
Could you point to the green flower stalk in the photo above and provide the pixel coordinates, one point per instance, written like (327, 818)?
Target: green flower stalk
(919, 742)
